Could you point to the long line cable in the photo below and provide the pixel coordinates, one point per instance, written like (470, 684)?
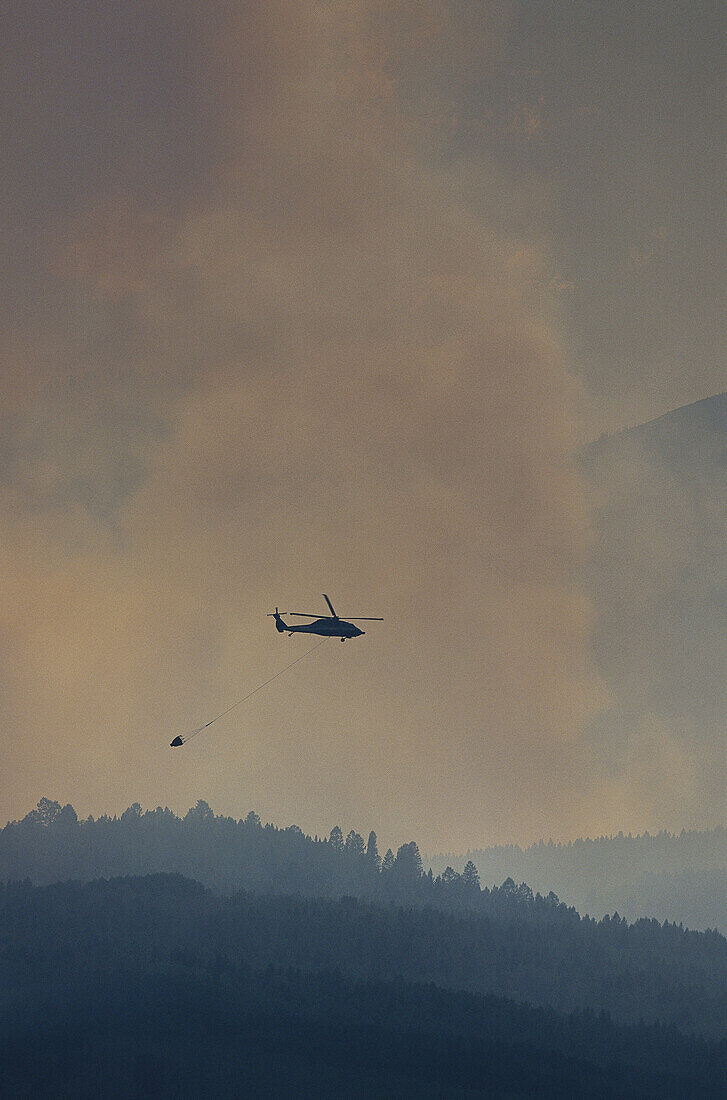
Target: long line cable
(183, 738)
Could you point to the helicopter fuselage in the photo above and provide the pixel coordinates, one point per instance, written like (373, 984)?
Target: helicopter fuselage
(327, 627)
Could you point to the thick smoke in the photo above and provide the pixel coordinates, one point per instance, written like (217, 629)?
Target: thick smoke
(276, 328)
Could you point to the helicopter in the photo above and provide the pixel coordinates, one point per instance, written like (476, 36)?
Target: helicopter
(329, 626)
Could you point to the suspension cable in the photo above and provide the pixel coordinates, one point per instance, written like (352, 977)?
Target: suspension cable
(182, 739)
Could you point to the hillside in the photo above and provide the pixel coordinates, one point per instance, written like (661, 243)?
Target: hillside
(154, 984)
(675, 435)
(309, 966)
(503, 940)
(657, 580)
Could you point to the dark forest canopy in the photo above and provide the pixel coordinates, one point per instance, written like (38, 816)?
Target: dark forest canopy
(156, 985)
(635, 972)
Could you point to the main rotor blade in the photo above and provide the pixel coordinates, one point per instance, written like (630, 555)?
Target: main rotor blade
(317, 615)
(301, 614)
(345, 618)
(325, 597)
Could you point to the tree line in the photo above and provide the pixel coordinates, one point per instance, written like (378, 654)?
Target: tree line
(51, 843)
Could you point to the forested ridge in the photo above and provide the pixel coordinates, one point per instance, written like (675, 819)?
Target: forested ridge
(123, 939)
(51, 844)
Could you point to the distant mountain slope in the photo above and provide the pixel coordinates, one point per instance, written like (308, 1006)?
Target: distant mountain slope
(657, 579)
(658, 583)
(674, 435)
(680, 878)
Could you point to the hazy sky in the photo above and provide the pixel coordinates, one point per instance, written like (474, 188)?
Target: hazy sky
(324, 296)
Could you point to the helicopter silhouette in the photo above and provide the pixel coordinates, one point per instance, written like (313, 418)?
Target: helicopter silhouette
(329, 626)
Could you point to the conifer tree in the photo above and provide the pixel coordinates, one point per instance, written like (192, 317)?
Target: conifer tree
(372, 851)
(408, 863)
(470, 875)
(354, 844)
